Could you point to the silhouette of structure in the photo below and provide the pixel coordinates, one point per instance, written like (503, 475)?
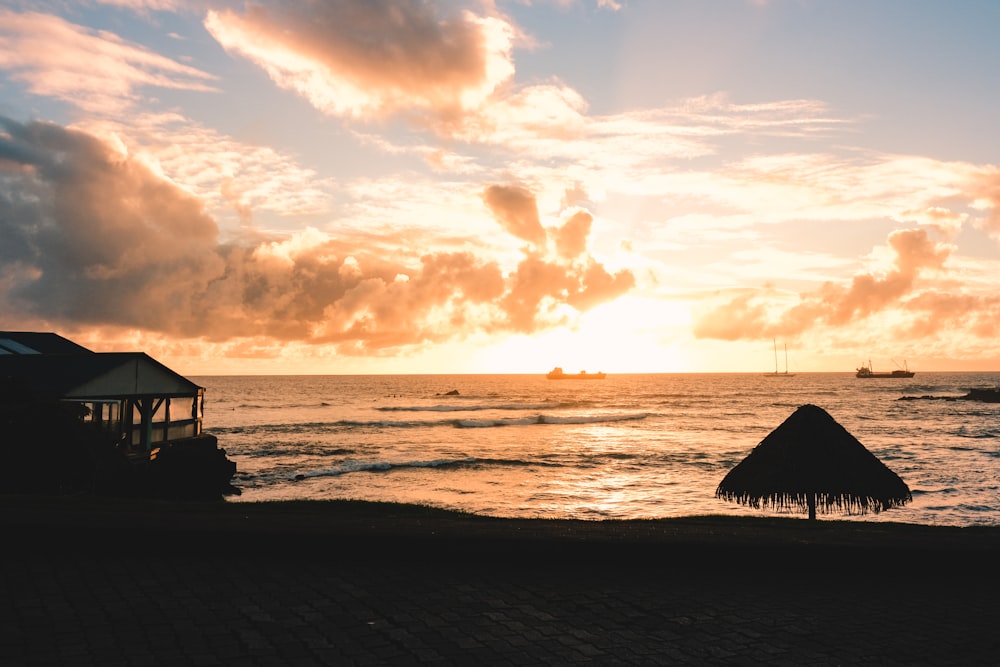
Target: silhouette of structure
(130, 395)
(811, 462)
(70, 416)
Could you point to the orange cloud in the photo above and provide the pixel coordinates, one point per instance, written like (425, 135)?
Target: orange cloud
(743, 317)
(986, 192)
(748, 315)
(93, 236)
(540, 287)
(571, 238)
(938, 312)
(595, 286)
(367, 59)
(915, 251)
(943, 220)
(515, 208)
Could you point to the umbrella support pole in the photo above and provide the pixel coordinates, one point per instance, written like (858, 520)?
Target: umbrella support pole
(811, 502)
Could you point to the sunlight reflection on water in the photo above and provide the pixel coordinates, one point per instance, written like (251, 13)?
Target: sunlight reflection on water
(633, 446)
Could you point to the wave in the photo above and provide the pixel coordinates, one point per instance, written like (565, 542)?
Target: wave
(533, 420)
(548, 420)
(976, 509)
(964, 432)
(279, 405)
(528, 420)
(285, 428)
(941, 491)
(470, 408)
(445, 464)
(324, 427)
(291, 449)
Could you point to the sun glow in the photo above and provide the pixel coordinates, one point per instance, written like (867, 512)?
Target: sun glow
(422, 188)
(630, 335)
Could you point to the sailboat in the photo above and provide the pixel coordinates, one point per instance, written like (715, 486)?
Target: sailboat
(776, 374)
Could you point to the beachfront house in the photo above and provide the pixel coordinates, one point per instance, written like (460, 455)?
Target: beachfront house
(141, 402)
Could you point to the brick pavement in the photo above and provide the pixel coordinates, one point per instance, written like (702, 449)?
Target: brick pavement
(133, 607)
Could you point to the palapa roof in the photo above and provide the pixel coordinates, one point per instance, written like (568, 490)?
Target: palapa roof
(811, 455)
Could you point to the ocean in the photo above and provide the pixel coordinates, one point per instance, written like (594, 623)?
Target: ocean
(629, 446)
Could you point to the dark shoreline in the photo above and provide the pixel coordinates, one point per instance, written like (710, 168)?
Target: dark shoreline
(365, 530)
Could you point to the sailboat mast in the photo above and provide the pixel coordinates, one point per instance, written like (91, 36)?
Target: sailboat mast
(777, 369)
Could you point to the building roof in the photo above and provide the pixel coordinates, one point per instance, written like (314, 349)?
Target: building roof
(85, 375)
(32, 342)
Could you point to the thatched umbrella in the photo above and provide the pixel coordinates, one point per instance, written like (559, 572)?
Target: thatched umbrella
(812, 460)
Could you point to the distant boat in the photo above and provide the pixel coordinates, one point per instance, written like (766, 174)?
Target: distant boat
(867, 372)
(557, 374)
(776, 374)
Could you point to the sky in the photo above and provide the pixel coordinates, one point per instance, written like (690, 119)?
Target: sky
(504, 186)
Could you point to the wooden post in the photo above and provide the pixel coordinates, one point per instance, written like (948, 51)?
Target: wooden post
(146, 412)
(811, 502)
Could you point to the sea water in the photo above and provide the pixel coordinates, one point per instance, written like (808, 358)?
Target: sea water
(628, 446)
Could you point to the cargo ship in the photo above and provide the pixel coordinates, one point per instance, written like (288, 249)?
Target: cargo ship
(867, 372)
(557, 374)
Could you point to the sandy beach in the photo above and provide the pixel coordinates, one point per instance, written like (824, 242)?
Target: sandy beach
(112, 582)
(346, 528)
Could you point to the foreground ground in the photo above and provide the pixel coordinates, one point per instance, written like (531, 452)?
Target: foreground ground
(91, 582)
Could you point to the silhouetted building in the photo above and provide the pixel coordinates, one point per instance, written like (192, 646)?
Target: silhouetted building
(140, 401)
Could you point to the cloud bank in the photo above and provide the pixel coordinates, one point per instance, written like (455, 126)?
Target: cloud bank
(751, 315)
(93, 236)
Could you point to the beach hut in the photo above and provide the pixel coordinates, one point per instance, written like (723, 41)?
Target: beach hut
(810, 461)
(139, 401)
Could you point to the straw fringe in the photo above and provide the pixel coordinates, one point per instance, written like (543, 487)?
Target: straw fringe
(811, 455)
(826, 503)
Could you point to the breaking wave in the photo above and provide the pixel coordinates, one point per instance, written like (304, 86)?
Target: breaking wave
(446, 464)
(549, 419)
(527, 420)
(470, 408)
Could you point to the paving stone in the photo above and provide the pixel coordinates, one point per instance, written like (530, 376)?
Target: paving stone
(179, 612)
